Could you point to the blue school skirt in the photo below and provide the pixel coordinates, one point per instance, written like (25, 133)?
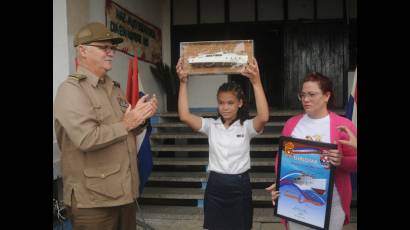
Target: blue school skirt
(228, 202)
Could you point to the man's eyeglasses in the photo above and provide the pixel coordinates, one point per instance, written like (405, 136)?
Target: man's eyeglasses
(106, 48)
(308, 95)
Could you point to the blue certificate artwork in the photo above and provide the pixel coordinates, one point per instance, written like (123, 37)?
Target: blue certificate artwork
(305, 182)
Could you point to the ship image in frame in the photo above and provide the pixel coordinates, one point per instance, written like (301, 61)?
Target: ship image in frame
(306, 182)
(309, 189)
(218, 59)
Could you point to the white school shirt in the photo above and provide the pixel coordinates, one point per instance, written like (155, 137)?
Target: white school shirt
(229, 148)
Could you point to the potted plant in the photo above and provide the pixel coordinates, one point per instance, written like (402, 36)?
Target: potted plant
(168, 79)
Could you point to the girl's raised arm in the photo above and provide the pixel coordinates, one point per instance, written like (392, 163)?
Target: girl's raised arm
(193, 121)
(251, 71)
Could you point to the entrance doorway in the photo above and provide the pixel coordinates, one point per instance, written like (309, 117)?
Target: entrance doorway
(268, 53)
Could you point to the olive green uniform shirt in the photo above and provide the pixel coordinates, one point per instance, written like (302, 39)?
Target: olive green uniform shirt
(98, 154)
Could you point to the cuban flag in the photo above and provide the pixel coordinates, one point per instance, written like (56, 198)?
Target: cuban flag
(133, 88)
(144, 156)
(351, 113)
(351, 108)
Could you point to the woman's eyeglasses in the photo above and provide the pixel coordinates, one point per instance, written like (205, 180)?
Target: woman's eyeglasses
(308, 95)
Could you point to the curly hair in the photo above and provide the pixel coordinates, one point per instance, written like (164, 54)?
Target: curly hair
(235, 88)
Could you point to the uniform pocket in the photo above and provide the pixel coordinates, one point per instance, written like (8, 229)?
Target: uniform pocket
(123, 104)
(104, 180)
(102, 113)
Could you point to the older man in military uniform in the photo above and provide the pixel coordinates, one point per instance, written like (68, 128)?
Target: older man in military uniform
(96, 133)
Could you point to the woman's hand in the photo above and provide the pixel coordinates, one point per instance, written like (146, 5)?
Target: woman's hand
(334, 156)
(251, 71)
(182, 74)
(352, 138)
(273, 192)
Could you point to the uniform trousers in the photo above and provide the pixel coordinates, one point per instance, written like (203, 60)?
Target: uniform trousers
(121, 217)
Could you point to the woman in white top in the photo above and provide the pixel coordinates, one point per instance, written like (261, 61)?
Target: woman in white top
(318, 123)
(228, 195)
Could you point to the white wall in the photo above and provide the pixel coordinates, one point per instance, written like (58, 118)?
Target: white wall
(77, 16)
(202, 90)
(60, 61)
(60, 44)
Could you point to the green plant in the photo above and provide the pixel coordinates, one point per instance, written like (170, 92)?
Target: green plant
(167, 77)
(168, 80)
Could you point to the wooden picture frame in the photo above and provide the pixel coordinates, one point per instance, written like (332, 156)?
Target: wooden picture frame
(216, 57)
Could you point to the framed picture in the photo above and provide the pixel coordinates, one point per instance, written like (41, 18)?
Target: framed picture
(305, 182)
(216, 57)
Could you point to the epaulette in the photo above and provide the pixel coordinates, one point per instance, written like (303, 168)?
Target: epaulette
(116, 84)
(77, 77)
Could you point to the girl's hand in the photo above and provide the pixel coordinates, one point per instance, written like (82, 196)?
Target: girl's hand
(182, 74)
(251, 71)
(275, 194)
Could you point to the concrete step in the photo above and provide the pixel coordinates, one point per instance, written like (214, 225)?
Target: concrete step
(272, 113)
(205, 148)
(191, 218)
(202, 177)
(183, 125)
(160, 224)
(193, 193)
(197, 135)
(174, 213)
(204, 161)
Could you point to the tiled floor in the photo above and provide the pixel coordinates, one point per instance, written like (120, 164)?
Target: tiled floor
(197, 225)
(352, 226)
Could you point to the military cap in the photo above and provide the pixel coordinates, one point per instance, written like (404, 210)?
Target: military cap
(94, 32)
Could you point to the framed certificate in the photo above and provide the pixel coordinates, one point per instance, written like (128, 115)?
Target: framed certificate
(305, 182)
